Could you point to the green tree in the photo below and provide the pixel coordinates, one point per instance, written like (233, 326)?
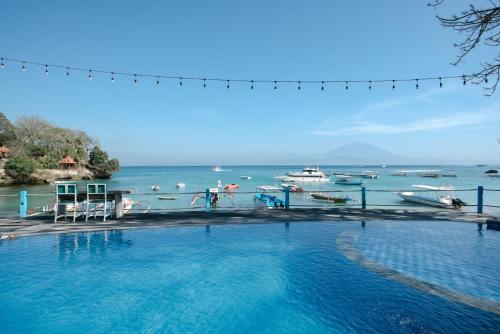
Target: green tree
(7, 130)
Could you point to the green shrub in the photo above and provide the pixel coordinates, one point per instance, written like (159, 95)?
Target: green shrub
(21, 166)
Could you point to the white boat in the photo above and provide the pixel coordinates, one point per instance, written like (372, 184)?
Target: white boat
(155, 188)
(180, 185)
(400, 173)
(449, 174)
(369, 174)
(219, 169)
(245, 177)
(347, 181)
(429, 173)
(442, 197)
(308, 174)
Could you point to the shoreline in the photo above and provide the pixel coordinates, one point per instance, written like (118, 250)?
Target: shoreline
(14, 228)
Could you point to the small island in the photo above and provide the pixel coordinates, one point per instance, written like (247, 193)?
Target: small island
(33, 151)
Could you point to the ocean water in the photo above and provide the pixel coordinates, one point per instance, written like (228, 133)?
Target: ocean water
(264, 278)
(197, 179)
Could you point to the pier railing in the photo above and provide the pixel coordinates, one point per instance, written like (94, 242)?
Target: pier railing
(477, 200)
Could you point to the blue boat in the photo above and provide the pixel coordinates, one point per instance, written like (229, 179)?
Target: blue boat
(268, 200)
(347, 181)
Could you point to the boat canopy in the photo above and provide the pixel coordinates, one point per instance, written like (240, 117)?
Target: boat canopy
(443, 188)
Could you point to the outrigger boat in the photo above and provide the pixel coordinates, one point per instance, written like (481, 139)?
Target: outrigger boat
(442, 197)
(369, 174)
(400, 173)
(232, 186)
(335, 198)
(347, 181)
(269, 201)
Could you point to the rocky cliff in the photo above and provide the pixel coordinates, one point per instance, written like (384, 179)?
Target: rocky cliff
(44, 176)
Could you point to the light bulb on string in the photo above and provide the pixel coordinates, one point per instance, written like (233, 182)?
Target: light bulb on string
(440, 82)
(370, 85)
(112, 77)
(486, 79)
(46, 69)
(465, 82)
(24, 66)
(67, 71)
(90, 74)
(393, 84)
(135, 78)
(204, 82)
(251, 87)
(275, 85)
(322, 85)
(298, 87)
(227, 86)
(2, 65)
(346, 85)
(416, 84)
(157, 80)
(180, 81)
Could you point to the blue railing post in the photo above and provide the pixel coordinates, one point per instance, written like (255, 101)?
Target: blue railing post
(363, 198)
(23, 204)
(207, 199)
(480, 191)
(287, 199)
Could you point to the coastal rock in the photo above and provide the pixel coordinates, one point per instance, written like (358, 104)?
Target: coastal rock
(45, 176)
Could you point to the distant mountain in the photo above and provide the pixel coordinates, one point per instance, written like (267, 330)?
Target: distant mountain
(359, 154)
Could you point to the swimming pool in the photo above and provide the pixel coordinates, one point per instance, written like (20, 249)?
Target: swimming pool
(308, 277)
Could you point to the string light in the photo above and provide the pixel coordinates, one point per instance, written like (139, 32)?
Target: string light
(486, 79)
(322, 83)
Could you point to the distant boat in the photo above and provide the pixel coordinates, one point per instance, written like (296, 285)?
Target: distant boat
(481, 165)
(491, 171)
(434, 174)
(219, 169)
(245, 177)
(155, 188)
(180, 185)
(400, 173)
(369, 174)
(335, 198)
(383, 166)
(449, 174)
(232, 186)
(168, 198)
(347, 181)
(442, 197)
(272, 189)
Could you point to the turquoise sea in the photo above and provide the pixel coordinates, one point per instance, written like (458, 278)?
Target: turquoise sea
(198, 178)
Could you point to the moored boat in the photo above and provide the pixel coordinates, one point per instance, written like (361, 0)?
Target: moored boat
(180, 185)
(369, 174)
(400, 173)
(245, 177)
(331, 197)
(442, 197)
(347, 181)
(292, 188)
(269, 201)
(232, 186)
(308, 174)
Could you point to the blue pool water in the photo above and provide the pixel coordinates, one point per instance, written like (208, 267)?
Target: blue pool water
(270, 278)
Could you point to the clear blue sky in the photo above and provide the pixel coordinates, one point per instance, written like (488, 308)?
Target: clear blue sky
(316, 40)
